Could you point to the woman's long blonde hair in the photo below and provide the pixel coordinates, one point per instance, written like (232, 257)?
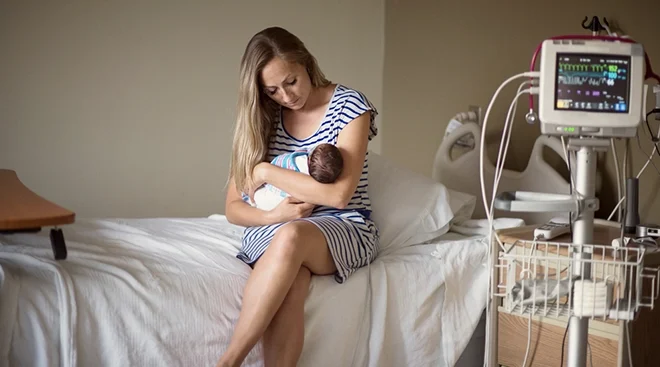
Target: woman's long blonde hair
(256, 111)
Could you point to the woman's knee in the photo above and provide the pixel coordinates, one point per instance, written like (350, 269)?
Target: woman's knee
(288, 241)
(303, 243)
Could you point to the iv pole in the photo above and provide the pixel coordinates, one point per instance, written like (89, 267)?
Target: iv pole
(583, 229)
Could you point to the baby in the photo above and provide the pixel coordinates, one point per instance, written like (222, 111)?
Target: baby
(323, 162)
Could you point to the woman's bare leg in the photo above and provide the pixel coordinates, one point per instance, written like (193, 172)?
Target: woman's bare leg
(294, 245)
(283, 339)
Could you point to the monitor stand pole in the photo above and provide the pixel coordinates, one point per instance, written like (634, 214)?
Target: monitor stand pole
(583, 230)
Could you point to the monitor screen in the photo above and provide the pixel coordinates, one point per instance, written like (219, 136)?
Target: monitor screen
(593, 83)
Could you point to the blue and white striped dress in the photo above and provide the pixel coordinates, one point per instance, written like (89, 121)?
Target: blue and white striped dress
(351, 235)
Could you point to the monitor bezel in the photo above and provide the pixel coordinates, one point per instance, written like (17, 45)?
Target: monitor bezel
(592, 120)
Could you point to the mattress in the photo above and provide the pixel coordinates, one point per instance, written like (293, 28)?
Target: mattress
(167, 291)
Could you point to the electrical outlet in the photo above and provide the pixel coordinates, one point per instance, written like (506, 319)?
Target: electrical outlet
(477, 110)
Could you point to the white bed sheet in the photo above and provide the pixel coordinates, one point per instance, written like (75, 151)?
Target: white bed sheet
(147, 292)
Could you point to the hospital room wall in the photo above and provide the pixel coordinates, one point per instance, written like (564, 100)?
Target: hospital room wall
(126, 108)
(441, 56)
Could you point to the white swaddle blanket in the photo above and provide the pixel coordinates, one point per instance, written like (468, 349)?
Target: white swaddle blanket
(267, 198)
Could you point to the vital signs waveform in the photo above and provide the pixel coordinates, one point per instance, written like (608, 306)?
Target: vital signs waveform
(582, 80)
(594, 68)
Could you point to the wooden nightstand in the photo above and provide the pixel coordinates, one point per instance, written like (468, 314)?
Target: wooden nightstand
(21, 210)
(607, 338)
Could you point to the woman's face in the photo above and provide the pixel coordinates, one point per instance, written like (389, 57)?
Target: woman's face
(286, 83)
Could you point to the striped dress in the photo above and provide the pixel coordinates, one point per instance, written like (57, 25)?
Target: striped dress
(351, 235)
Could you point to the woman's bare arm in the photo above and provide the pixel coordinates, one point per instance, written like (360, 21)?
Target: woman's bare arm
(352, 142)
(241, 213)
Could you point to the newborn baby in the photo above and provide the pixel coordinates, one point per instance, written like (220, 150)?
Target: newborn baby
(323, 162)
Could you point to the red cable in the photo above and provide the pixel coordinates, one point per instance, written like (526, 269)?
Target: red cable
(649, 70)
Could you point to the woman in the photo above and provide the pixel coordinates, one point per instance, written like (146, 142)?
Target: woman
(286, 103)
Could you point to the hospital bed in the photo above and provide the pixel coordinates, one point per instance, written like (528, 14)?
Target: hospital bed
(167, 291)
(456, 166)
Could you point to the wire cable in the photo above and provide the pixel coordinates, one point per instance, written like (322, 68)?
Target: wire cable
(483, 134)
(501, 156)
(529, 320)
(529, 339)
(630, 364)
(639, 145)
(625, 187)
(618, 174)
(563, 343)
(501, 159)
(483, 152)
(656, 149)
(571, 177)
(655, 139)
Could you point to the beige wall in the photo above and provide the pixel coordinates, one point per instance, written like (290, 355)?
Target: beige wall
(125, 108)
(441, 56)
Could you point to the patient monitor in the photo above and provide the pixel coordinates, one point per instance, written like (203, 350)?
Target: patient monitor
(589, 91)
(591, 88)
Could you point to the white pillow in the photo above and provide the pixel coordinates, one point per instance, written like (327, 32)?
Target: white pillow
(410, 208)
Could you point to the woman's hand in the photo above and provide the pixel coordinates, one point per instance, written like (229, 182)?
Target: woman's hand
(290, 209)
(243, 214)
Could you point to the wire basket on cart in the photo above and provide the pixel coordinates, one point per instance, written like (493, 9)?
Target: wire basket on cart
(554, 279)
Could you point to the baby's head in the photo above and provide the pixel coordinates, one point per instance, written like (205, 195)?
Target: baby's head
(325, 163)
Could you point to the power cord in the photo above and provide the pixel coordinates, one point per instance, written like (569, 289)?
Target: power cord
(529, 320)
(489, 212)
(618, 176)
(639, 145)
(625, 212)
(656, 149)
(630, 363)
(654, 139)
(563, 342)
(571, 179)
(529, 338)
